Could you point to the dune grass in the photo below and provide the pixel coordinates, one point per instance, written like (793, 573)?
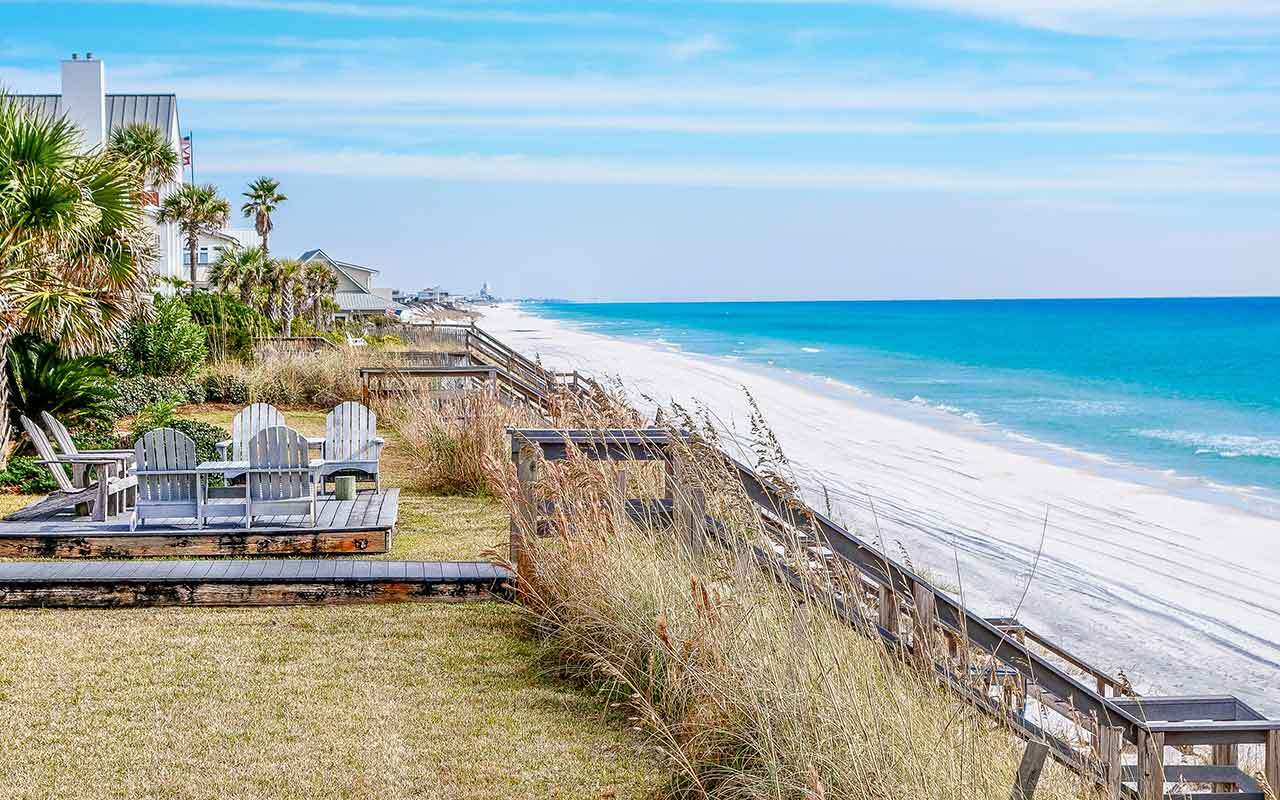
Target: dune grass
(391, 701)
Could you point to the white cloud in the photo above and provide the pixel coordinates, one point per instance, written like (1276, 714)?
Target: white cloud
(697, 46)
(386, 11)
(1143, 18)
(1174, 175)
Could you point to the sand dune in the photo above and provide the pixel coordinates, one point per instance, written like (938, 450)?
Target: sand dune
(1182, 593)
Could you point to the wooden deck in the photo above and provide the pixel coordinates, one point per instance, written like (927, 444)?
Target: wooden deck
(363, 525)
(243, 582)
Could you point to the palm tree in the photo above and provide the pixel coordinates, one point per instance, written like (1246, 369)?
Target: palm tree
(239, 271)
(145, 147)
(75, 248)
(285, 282)
(263, 199)
(196, 209)
(319, 282)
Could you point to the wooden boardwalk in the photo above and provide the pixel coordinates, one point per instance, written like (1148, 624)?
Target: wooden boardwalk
(241, 582)
(363, 525)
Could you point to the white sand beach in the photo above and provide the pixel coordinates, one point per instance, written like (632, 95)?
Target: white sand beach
(1180, 593)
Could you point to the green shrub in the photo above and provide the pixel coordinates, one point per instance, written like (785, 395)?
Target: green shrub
(139, 391)
(230, 326)
(226, 387)
(171, 343)
(163, 415)
(25, 474)
(77, 391)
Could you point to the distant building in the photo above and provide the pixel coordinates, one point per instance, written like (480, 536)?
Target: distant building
(356, 296)
(212, 245)
(84, 101)
(434, 294)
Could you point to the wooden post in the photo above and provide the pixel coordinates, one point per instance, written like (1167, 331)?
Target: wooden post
(1271, 760)
(925, 622)
(621, 479)
(524, 522)
(1225, 755)
(889, 611)
(1024, 786)
(1110, 747)
(1150, 765)
(688, 507)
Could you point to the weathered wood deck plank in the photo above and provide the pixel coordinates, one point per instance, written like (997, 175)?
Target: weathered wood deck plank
(242, 582)
(341, 531)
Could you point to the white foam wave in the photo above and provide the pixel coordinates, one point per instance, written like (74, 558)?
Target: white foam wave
(1224, 445)
(811, 349)
(959, 412)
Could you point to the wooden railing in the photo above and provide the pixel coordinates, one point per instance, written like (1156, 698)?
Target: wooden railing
(998, 665)
(484, 348)
(449, 382)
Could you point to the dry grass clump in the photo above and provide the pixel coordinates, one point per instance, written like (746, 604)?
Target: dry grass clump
(449, 441)
(751, 688)
(323, 378)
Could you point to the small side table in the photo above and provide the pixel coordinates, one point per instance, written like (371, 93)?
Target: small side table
(207, 468)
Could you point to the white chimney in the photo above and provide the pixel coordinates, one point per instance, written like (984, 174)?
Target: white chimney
(84, 98)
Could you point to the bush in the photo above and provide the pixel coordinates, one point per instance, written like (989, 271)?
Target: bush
(139, 391)
(25, 474)
(321, 379)
(225, 387)
(230, 326)
(169, 344)
(77, 391)
(163, 415)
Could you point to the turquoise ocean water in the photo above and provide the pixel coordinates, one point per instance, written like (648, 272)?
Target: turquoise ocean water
(1189, 385)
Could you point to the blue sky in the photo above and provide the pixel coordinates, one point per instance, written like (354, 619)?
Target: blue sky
(744, 149)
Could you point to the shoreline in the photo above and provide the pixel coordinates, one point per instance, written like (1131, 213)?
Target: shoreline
(1120, 560)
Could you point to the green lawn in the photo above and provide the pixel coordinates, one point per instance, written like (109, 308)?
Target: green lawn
(391, 701)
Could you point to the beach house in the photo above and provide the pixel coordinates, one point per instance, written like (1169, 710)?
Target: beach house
(213, 244)
(84, 101)
(356, 296)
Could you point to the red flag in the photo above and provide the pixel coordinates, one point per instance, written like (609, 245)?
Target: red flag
(186, 151)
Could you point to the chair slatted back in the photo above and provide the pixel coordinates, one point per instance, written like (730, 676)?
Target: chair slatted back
(349, 431)
(165, 449)
(45, 449)
(283, 449)
(252, 419)
(60, 434)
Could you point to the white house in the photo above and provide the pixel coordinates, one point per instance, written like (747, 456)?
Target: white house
(213, 244)
(84, 101)
(356, 295)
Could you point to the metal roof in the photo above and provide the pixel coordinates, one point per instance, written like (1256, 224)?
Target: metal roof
(307, 255)
(156, 110)
(359, 301)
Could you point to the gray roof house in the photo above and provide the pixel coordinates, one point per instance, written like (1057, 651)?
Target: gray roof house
(356, 295)
(85, 102)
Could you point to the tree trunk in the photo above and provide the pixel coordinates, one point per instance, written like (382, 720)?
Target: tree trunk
(6, 432)
(193, 244)
(265, 251)
(288, 316)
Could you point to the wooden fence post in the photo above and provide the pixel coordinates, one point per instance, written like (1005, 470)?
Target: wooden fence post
(1024, 787)
(1225, 755)
(688, 507)
(524, 522)
(1271, 760)
(925, 622)
(889, 610)
(1110, 748)
(1150, 765)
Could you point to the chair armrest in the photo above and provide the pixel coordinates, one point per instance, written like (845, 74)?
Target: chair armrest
(83, 458)
(142, 473)
(222, 448)
(316, 463)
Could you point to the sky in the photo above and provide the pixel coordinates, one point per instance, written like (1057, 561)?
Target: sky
(725, 149)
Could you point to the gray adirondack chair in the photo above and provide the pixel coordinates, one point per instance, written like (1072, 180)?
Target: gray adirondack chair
(246, 424)
(67, 445)
(282, 477)
(108, 494)
(168, 485)
(351, 443)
